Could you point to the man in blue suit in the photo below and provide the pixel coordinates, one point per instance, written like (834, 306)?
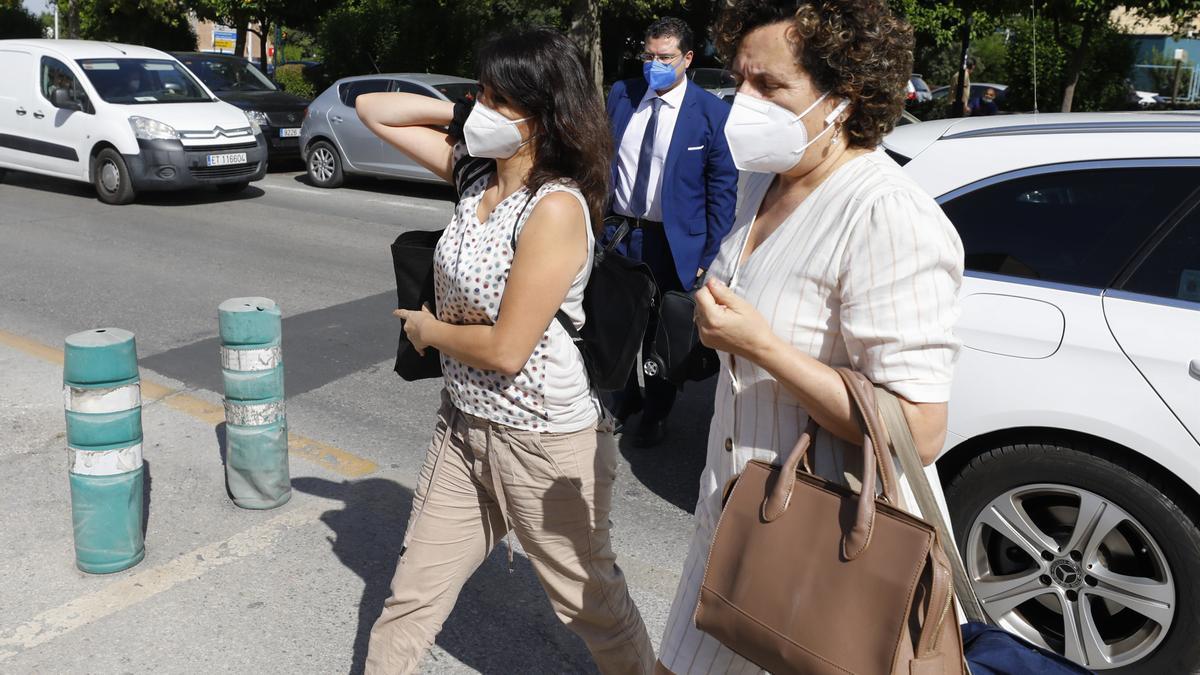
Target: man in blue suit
(674, 183)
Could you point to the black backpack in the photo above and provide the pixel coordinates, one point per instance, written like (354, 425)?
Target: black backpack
(618, 302)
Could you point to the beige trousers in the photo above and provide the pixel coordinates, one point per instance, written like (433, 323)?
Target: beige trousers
(554, 491)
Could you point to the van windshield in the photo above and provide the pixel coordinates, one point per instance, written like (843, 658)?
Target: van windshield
(138, 81)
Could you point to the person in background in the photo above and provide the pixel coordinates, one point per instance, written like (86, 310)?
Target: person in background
(520, 445)
(674, 185)
(985, 104)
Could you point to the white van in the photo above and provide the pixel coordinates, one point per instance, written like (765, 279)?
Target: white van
(121, 117)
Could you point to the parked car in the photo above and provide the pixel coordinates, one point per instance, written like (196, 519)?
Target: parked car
(918, 90)
(1072, 467)
(335, 143)
(719, 81)
(977, 90)
(236, 81)
(122, 117)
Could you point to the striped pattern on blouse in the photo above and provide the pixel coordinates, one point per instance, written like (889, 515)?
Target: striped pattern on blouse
(865, 273)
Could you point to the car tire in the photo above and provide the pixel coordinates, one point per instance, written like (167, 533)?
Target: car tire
(324, 165)
(1139, 530)
(110, 178)
(233, 188)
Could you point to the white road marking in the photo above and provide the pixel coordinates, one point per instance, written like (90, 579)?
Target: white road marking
(389, 202)
(148, 583)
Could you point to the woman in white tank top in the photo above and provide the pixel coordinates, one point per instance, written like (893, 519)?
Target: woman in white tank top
(519, 447)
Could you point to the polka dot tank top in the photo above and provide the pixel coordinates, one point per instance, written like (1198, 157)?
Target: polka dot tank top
(471, 265)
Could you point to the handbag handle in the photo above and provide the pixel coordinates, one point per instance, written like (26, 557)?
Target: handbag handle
(875, 459)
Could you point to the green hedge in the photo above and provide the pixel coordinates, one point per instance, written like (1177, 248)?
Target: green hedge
(291, 78)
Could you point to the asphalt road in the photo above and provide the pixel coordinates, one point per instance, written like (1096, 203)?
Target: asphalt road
(290, 590)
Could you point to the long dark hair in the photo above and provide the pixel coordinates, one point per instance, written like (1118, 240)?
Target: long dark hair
(542, 73)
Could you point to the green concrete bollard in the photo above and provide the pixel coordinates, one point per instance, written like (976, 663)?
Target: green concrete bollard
(256, 459)
(103, 400)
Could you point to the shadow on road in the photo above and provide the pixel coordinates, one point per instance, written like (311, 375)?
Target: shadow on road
(329, 342)
(64, 187)
(393, 186)
(502, 622)
(672, 470)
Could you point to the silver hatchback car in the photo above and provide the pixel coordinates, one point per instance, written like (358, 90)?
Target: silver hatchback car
(334, 143)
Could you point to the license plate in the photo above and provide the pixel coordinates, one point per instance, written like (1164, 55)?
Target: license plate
(289, 133)
(226, 160)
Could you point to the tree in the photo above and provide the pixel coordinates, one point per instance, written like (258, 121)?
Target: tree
(16, 22)
(1091, 17)
(162, 24)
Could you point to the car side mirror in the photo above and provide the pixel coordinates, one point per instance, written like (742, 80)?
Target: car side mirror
(62, 98)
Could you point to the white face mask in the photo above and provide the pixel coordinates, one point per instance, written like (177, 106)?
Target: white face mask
(490, 134)
(768, 138)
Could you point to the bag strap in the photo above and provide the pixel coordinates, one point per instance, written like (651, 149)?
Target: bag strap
(906, 450)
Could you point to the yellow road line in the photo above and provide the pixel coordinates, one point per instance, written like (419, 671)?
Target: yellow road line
(333, 458)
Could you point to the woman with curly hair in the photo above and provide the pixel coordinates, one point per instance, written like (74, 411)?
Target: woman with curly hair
(835, 259)
(520, 445)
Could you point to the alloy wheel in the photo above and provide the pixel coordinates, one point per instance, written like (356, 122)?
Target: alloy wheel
(1071, 571)
(322, 164)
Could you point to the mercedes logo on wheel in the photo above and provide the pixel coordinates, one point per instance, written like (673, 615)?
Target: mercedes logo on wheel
(1065, 573)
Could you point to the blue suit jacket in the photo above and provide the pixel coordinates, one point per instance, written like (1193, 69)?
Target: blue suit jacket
(699, 187)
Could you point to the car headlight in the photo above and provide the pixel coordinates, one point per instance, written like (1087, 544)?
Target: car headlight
(152, 130)
(258, 120)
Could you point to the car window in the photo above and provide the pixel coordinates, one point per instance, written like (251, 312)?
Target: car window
(708, 79)
(1078, 227)
(406, 87)
(56, 75)
(454, 91)
(350, 91)
(1172, 270)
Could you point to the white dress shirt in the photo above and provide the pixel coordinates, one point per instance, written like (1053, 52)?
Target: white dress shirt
(631, 148)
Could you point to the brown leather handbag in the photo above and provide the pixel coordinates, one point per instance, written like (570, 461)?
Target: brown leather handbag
(807, 576)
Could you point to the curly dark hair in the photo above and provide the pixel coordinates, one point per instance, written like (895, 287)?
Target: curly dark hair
(856, 49)
(541, 72)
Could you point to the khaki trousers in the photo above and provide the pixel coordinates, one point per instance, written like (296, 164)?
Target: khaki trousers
(554, 491)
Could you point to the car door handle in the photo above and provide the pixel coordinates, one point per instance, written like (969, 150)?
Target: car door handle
(39, 115)
(1194, 368)
(21, 111)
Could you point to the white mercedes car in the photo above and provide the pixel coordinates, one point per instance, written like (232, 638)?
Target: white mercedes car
(1072, 466)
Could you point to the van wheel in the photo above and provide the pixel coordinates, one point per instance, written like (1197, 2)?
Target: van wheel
(324, 165)
(232, 188)
(110, 177)
(1080, 551)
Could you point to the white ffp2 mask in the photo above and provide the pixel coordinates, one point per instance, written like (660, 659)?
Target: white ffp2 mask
(491, 135)
(768, 138)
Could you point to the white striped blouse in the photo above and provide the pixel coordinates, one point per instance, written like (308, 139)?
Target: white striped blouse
(865, 273)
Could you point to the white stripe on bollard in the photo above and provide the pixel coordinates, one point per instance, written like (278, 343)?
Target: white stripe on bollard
(116, 399)
(104, 462)
(251, 360)
(253, 415)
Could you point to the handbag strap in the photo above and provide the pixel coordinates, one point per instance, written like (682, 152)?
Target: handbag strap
(906, 450)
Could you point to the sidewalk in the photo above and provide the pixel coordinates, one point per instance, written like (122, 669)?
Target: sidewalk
(224, 589)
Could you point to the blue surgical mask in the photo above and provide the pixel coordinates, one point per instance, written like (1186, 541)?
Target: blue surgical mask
(660, 75)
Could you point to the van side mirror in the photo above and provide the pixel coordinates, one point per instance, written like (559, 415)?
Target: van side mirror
(62, 98)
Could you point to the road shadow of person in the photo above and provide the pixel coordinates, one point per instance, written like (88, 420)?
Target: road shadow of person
(495, 610)
(672, 469)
